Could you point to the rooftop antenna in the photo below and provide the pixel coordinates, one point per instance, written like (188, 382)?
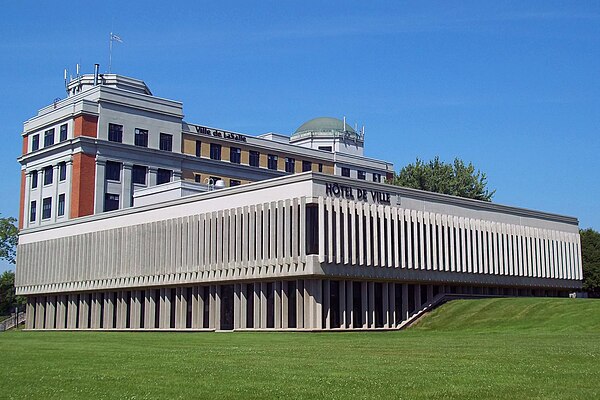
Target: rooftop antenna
(66, 83)
(77, 70)
(113, 38)
(344, 123)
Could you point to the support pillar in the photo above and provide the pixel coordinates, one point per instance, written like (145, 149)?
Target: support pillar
(364, 304)
(50, 312)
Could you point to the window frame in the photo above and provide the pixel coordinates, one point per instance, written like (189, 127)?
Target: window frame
(160, 171)
(35, 142)
(48, 175)
(140, 137)
(64, 129)
(290, 165)
(215, 151)
(60, 205)
(110, 173)
(362, 175)
(254, 158)
(305, 164)
(345, 172)
(34, 178)
(272, 161)
(32, 211)
(114, 131)
(165, 142)
(136, 173)
(62, 171)
(235, 155)
(109, 200)
(48, 134)
(46, 208)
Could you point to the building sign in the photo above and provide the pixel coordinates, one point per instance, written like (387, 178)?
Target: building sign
(354, 193)
(219, 133)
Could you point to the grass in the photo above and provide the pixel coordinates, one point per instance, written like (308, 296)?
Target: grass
(467, 349)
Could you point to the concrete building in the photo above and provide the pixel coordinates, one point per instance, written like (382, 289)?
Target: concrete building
(317, 243)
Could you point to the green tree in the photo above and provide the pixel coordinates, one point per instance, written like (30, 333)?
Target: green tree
(8, 299)
(9, 236)
(590, 257)
(456, 179)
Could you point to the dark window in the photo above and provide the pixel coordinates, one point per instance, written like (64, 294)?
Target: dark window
(34, 179)
(325, 148)
(35, 142)
(63, 132)
(32, 211)
(111, 202)
(198, 148)
(361, 175)
(234, 182)
(62, 171)
(49, 137)
(254, 159)
(306, 166)
(235, 155)
(163, 176)
(345, 171)
(214, 179)
(290, 165)
(141, 137)
(166, 142)
(320, 167)
(376, 177)
(61, 205)
(198, 178)
(47, 208)
(215, 151)
(115, 133)
(113, 171)
(48, 175)
(139, 174)
(272, 161)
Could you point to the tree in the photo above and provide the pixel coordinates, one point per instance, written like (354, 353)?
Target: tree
(8, 298)
(9, 236)
(590, 257)
(455, 179)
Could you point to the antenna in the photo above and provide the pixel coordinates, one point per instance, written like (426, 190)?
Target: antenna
(77, 70)
(344, 123)
(113, 38)
(66, 84)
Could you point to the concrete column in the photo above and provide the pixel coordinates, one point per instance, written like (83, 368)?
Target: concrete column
(392, 304)
(350, 304)
(308, 309)
(300, 303)
(180, 306)
(371, 287)
(61, 311)
(165, 308)
(217, 306)
(197, 308)
(405, 311)
(84, 309)
(121, 310)
(40, 312)
(152, 172)
(263, 304)
(109, 310)
(95, 311)
(136, 309)
(126, 186)
(417, 298)
(327, 299)
(343, 311)
(100, 186)
(256, 302)
(237, 306)
(364, 303)
(150, 309)
(50, 312)
(72, 312)
(277, 305)
(386, 304)
(30, 313)
(284, 304)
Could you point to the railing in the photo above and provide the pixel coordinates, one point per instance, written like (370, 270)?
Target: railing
(13, 321)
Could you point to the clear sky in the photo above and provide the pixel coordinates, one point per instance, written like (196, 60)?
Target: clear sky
(513, 87)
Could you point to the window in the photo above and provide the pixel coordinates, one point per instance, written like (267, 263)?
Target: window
(166, 142)
(272, 161)
(254, 159)
(320, 167)
(141, 137)
(35, 142)
(198, 148)
(306, 166)
(197, 178)
(213, 179)
(47, 208)
(115, 133)
(34, 179)
(139, 174)
(234, 182)
(163, 176)
(111, 202)
(63, 132)
(345, 171)
(32, 211)
(290, 165)
(113, 171)
(62, 171)
(61, 205)
(49, 137)
(48, 175)
(325, 148)
(361, 175)
(215, 151)
(376, 177)
(235, 155)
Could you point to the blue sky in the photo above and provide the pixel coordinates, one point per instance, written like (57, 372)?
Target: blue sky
(513, 87)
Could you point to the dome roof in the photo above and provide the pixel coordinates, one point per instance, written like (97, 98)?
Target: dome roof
(324, 124)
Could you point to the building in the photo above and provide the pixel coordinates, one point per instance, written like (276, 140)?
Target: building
(314, 243)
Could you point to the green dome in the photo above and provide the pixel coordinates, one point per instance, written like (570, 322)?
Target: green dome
(324, 124)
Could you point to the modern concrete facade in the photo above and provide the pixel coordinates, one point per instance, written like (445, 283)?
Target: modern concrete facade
(305, 251)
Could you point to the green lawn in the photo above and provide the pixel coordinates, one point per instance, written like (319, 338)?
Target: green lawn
(470, 349)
